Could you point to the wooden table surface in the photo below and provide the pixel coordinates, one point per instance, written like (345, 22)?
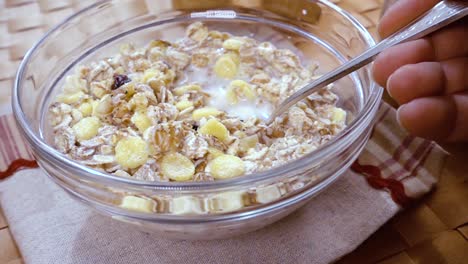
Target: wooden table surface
(435, 230)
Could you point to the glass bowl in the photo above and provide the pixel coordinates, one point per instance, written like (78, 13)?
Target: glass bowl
(316, 30)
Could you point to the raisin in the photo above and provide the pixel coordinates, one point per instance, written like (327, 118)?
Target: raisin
(194, 126)
(119, 80)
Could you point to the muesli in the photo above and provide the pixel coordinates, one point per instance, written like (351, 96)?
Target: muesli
(192, 110)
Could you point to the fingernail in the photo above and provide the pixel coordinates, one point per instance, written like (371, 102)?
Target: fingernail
(398, 116)
(388, 86)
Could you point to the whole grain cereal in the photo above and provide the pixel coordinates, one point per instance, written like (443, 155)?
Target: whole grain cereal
(192, 110)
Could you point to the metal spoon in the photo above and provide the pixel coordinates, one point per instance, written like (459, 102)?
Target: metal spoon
(439, 16)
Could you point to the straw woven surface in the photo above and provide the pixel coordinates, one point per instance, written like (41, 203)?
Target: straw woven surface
(432, 231)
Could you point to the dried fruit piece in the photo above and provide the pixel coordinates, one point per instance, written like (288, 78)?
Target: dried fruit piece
(129, 90)
(214, 128)
(247, 143)
(86, 109)
(214, 153)
(70, 98)
(227, 201)
(226, 166)
(162, 44)
(267, 194)
(139, 101)
(186, 205)
(339, 115)
(150, 74)
(233, 44)
(234, 57)
(138, 204)
(206, 112)
(119, 80)
(177, 167)
(215, 35)
(94, 105)
(239, 90)
(131, 152)
(87, 128)
(226, 67)
(182, 105)
(187, 88)
(141, 121)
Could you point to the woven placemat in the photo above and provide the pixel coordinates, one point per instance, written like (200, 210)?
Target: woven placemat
(432, 231)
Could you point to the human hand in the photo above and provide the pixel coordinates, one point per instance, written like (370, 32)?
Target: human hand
(428, 77)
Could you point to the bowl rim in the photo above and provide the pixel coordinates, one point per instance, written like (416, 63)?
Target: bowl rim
(98, 176)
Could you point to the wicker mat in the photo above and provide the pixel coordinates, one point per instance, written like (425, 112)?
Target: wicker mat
(433, 231)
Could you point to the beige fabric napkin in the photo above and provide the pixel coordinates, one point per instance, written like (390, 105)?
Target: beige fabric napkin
(50, 227)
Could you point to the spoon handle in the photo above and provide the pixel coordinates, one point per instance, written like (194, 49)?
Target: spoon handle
(439, 16)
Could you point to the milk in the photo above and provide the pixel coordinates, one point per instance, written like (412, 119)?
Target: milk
(217, 88)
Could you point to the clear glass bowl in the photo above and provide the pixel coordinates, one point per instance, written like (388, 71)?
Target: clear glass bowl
(317, 30)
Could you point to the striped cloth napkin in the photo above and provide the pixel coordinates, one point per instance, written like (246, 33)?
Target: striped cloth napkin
(49, 227)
